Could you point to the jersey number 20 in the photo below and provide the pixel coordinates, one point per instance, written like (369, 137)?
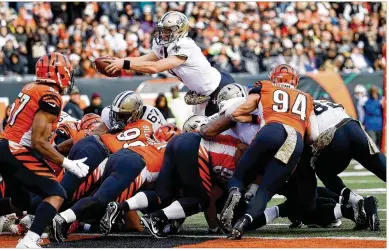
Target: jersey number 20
(281, 99)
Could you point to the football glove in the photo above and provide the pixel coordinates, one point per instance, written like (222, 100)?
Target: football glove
(76, 167)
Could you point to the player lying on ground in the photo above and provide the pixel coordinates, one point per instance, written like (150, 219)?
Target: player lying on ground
(288, 117)
(125, 172)
(25, 146)
(173, 51)
(186, 167)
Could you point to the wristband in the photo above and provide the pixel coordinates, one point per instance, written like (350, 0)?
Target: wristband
(126, 65)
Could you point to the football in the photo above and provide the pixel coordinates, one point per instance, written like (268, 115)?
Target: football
(100, 65)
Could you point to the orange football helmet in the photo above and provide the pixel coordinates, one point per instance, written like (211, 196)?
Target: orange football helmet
(166, 132)
(55, 68)
(89, 121)
(284, 73)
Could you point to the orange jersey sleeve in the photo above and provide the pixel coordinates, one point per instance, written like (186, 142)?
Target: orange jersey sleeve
(32, 98)
(282, 104)
(135, 134)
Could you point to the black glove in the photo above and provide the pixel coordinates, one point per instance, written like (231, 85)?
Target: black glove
(117, 127)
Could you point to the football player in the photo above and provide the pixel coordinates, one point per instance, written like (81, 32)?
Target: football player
(25, 145)
(174, 51)
(193, 165)
(342, 139)
(288, 116)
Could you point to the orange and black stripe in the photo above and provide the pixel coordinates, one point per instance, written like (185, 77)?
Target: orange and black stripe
(34, 165)
(203, 164)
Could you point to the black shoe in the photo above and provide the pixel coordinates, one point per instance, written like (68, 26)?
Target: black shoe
(109, 217)
(227, 213)
(237, 230)
(371, 205)
(296, 224)
(154, 225)
(59, 229)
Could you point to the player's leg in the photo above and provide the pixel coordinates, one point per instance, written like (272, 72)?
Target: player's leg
(252, 163)
(28, 169)
(166, 185)
(326, 193)
(212, 106)
(91, 148)
(121, 170)
(275, 176)
(194, 179)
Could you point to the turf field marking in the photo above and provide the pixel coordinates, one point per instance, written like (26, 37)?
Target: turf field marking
(248, 237)
(356, 174)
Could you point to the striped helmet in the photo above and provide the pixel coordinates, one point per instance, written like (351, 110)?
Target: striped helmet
(284, 74)
(127, 107)
(230, 91)
(55, 68)
(194, 123)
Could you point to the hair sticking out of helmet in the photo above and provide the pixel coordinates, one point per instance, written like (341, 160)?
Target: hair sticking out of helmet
(284, 74)
(194, 123)
(90, 121)
(231, 91)
(166, 132)
(171, 27)
(127, 107)
(55, 68)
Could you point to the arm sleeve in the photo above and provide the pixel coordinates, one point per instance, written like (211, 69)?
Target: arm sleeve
(314, 127)
(50, 103)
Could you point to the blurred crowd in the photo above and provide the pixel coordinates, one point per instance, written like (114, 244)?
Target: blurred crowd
(243, 37)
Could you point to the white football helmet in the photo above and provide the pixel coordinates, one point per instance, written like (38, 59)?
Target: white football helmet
(230, 91)
(194, 123)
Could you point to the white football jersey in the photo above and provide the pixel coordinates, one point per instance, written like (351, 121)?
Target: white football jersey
(150, 113)
(245, 132)
(196, 72)
(328, 114)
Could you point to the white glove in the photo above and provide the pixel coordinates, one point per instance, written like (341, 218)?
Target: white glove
(250, 193)
(76, 167)
(231, 105)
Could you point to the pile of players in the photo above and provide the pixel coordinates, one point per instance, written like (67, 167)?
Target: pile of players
(98, 172)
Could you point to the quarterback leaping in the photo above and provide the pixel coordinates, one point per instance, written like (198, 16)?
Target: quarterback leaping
(176, 53)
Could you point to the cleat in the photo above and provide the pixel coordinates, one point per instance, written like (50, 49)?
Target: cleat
(28, 243)
(174, 227)
(7, 224)
(334, 224)
(59, 229)
(237, 231)
(296, 224)
(109, 217)
(154, 225)
(26, 222)
(227, 213)
(359, 213)
(371, 205)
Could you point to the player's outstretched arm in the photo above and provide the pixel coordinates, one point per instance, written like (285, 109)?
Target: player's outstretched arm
(216, 127)
(41, 131)
(243, 112)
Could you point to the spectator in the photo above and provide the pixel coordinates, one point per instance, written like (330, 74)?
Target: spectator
(95, 106)
(359, 60)
(73, 106)
(162, 105)
(3, 64)
(4, 122)
(16, 65)
(360, 99)
(373, 115)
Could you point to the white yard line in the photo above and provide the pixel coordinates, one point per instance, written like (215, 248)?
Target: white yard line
(247, 237)
(356, 174)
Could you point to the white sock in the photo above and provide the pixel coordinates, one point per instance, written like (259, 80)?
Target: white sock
(337, 211)
(138, 201)
(33, 236)
(271, 214)
(174, 211)
(69, 216)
